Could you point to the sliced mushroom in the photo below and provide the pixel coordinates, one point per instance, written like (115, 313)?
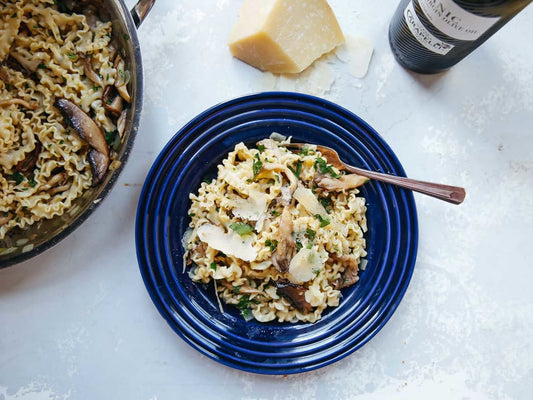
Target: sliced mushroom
(112, 101)
(88, 131)
(286, 247)
(29, 65)
(199, 249)
(28, 163)
(122, 79)
(14, 64)
(243, 289)
(295, 294)
(4, 75)
(345, 182)
(89, 72)
(121, 123)
(57, 179)
(99, 164)
(350, 275)
(83, 124)
(293, 181)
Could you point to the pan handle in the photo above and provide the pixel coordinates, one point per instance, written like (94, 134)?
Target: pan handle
(140, 10)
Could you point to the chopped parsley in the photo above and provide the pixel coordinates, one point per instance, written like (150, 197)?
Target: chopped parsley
(32, 183)
(272, 244)
(324, 221)
(42, 66)
(326, 202)
(72, 55)
(311, 234)
(324, 168)
(274, 213)
(113, 139)
(256, 166)
(213, 266)
(299, 245)
(297, 170)
(241, 228)
(17, 177)
(261, 148)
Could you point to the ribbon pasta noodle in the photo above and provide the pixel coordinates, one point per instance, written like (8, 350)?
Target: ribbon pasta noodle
(47, 54)
(280, 233)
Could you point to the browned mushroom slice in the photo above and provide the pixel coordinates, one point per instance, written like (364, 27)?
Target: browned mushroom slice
(295, 294)
(99, 165)
(88, 131)
(350, 275)
(4, 75)
(83, 124)
(57, 179)
(121, 123)
(112, 101)
(345, 182)
(28, 163)
(286, 247)
(122, 78)
(243, 289)
(89, 72)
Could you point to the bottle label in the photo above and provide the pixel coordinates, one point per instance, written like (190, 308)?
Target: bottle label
(455, 22)
(425, 37)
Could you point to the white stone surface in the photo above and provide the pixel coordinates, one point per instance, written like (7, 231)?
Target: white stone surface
(77, 322)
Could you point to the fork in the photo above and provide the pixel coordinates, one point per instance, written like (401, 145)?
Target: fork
(451, 194)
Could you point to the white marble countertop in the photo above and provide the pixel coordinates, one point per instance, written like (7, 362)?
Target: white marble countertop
(76, 323)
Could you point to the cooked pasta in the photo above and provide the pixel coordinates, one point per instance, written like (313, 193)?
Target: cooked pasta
(46, 55)
(278, 239)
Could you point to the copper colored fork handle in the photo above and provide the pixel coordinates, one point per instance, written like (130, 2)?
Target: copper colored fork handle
(451, 194)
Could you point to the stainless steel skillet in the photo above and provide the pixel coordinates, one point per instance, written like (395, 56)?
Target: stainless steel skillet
(30, 242)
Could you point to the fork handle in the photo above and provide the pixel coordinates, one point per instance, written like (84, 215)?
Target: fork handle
(451, 194)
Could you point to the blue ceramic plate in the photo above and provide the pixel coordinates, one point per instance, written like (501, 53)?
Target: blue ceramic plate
(191, 309)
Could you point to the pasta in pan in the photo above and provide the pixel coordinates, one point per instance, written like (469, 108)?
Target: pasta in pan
(279, 233)
(47, 54)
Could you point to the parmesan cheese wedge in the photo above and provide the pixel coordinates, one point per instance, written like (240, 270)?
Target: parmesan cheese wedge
(227, 242)
(284, 36)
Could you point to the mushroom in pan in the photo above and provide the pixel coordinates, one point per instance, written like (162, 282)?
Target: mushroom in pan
(28, 163)
(91, 133)
(89, 72)
(56, 184)
(112, 101)
(122, 79)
